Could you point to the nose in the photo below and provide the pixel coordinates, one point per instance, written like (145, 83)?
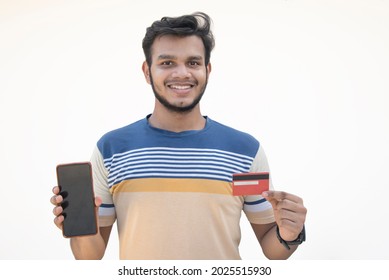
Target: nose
(181, 71)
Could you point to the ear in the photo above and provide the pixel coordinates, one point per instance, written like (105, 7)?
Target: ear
(209, 68)
(146, 71)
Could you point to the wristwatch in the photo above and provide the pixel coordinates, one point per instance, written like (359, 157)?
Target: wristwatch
(300, 238)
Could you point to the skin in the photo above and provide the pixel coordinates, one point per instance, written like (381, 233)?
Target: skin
(178, 76)
(177, 62)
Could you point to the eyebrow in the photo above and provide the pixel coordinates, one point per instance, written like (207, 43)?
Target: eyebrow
(195, 57)
(167, 56)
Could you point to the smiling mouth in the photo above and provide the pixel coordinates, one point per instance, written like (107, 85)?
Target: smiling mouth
(181, 87)
(177, 85)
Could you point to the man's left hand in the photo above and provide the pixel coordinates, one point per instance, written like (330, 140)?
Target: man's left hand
(289, 212)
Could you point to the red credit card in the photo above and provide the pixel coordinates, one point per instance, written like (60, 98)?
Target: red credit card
(250, 183)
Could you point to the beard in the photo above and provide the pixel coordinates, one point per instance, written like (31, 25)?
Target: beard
(174, 108)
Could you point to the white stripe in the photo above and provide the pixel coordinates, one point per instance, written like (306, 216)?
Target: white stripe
(183, 166)
(180, 157)
(135, 166)
(161, 150)
(106, 211)
(242, 183)
(178, 163)
(257, 207)
(195, 150)
(169, 175)
(174, 172)
(252, 198)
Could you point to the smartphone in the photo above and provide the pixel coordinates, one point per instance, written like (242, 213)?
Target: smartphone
(76, 185)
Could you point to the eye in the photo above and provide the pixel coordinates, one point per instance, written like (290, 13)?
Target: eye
(193, 63)
(167, 63)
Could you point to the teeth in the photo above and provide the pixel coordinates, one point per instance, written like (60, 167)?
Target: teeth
(180, 87)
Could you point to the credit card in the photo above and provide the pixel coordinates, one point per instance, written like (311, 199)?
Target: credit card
(250, 183)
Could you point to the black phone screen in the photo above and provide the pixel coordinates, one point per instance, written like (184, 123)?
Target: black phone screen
(76, 185)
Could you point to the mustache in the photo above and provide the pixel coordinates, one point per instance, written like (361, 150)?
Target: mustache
(192, 82)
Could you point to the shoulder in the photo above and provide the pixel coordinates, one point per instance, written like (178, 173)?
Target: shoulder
(237, 140)
(114, 140)
(123, 131)
(226, 130)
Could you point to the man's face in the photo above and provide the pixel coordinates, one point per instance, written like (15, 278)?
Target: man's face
(178, 74)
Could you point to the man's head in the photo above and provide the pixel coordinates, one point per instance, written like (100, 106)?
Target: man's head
(198, 24)
(177, 63)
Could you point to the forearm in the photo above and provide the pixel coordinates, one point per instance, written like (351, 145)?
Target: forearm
(88, 247)
(273, 249)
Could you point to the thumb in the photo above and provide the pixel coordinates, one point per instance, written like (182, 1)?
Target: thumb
(98, 201)
(270, 197)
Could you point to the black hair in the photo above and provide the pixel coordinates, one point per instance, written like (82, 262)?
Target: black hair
(198, 24)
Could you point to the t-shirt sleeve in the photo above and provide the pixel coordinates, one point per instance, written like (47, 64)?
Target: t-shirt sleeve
(107, 214)
(257, 209)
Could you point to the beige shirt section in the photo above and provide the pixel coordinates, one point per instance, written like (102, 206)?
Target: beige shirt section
(176, 222)
(167, 218)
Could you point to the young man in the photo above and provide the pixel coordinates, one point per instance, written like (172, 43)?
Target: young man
(167, 179)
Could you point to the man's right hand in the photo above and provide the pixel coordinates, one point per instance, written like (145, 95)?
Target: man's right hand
(57, 199)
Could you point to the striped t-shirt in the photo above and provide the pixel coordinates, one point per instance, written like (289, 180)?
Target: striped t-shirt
(171, 193)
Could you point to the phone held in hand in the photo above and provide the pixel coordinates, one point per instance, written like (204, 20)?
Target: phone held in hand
(76, 187)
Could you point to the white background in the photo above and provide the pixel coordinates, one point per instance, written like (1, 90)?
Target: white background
(309, 79)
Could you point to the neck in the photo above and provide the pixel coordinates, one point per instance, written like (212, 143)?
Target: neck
(177, 122)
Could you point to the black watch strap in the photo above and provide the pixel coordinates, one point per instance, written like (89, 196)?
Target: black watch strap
(300, 238)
